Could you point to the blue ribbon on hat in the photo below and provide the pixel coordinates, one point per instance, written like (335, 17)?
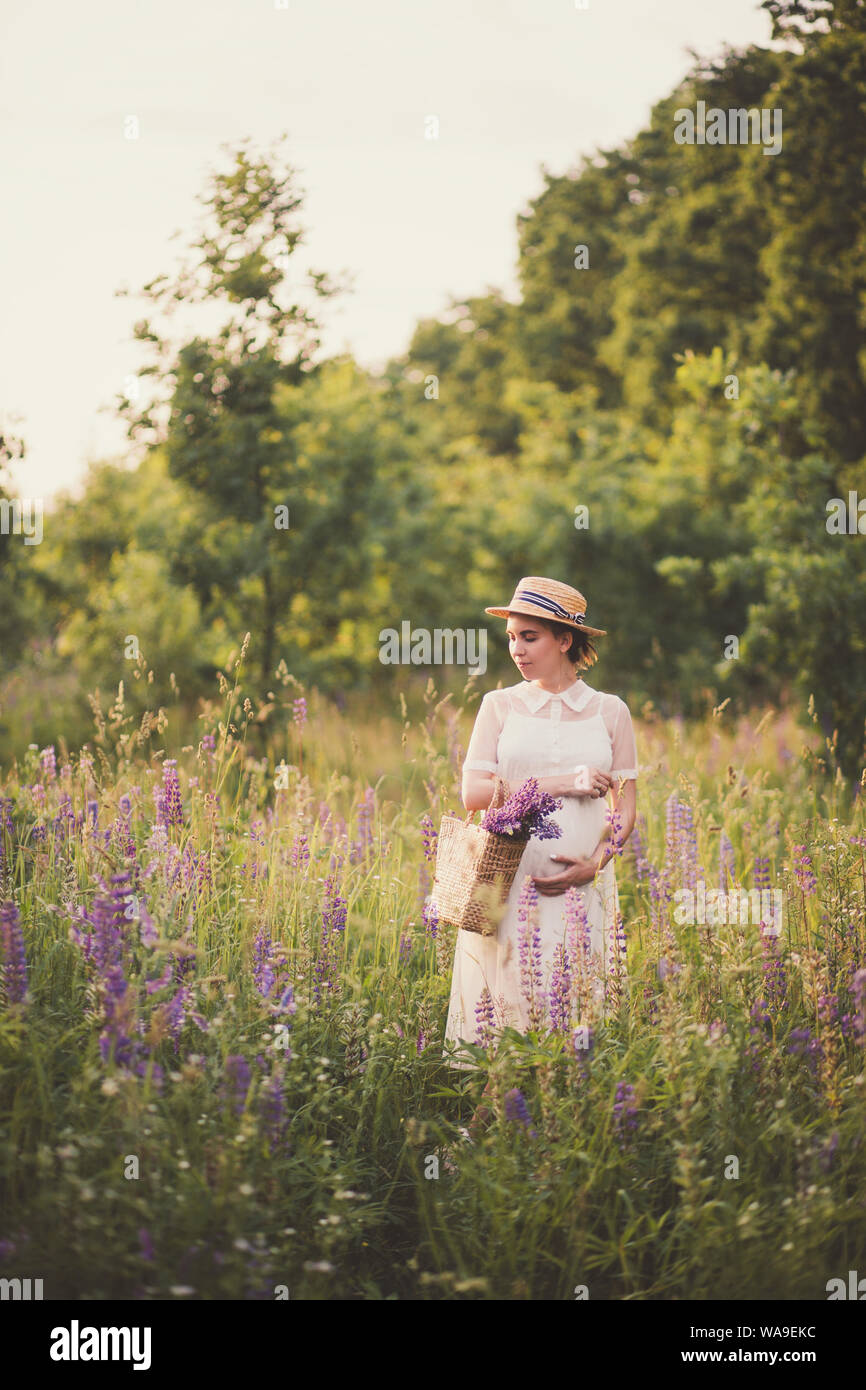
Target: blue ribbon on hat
(550, 604)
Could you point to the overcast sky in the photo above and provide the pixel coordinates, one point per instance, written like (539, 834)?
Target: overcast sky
(515, 84)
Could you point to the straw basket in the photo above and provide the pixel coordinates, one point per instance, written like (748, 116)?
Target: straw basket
(474, 871)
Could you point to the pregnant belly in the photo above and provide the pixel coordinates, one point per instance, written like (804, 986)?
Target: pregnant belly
(583, 821)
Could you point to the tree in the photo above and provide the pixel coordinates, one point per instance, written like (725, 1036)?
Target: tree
(217, 416)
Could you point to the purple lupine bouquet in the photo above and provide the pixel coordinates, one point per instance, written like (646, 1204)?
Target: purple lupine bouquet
(476, 864)
(526, 812)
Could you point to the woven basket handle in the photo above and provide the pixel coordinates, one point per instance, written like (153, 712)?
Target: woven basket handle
(499, 797)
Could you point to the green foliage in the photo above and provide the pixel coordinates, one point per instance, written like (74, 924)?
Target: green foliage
(338, 1171)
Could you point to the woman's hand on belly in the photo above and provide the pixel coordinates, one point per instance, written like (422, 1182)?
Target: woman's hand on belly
(575, 874)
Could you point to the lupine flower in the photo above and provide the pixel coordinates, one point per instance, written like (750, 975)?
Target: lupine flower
(761, 873)
(49, 763)
(333, 924)
(618, 945)
(801, 1043)
(525, 814)
(517, 1112)
(430, 918)
(614, 820)
(208, 744)
(803, 871)
(560, 991)
(689, 848)
(775, 982)
(405, 946)
(263, 970)
(171, 792)
(366, 812)
(12, 954)
(651, 1007)
(529, 949)
(578, 934)
(299, 711)
(858, 993)
(624, 1113)
(300, 852)
(641, 863)
(681, 846)
(484, 1019)
(726, 862)
(236, 1080)
(273, 1108)
(430, 837)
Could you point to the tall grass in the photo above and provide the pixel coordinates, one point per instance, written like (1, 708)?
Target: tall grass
(225, 1079)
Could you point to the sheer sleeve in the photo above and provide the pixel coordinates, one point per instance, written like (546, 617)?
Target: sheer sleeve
(482, 754)
(623, 742)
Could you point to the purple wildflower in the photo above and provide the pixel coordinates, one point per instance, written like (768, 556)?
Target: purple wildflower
(366, 812)
(517, 1112)
(761, 873)
(236, 1080)
(273, 1108)
(430, 918)
(726, 862)
(803, 871)
(333, 925)
(484, 1018)
(624, 1113)
(12, 954)
(430, 837)
(49, 763)
(858, 993)
(524, 815)
(530, 951)
(801, 1043)
(614, 820)
(299, 712)
(171, 793)
(263, 970)
(560, 991)
(681, 847)
(775, 981)
(638, 847)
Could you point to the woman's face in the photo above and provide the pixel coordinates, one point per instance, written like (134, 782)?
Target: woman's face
(535, 650)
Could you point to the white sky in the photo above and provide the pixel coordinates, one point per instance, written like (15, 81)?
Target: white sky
(516, 84)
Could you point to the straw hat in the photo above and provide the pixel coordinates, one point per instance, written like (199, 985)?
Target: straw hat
(545, 598)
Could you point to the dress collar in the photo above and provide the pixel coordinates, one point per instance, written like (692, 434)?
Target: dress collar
(576, 695)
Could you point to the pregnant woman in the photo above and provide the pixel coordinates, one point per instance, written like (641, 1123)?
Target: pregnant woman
(579, 744)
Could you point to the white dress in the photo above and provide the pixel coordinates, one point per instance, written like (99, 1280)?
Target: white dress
(520, 732)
